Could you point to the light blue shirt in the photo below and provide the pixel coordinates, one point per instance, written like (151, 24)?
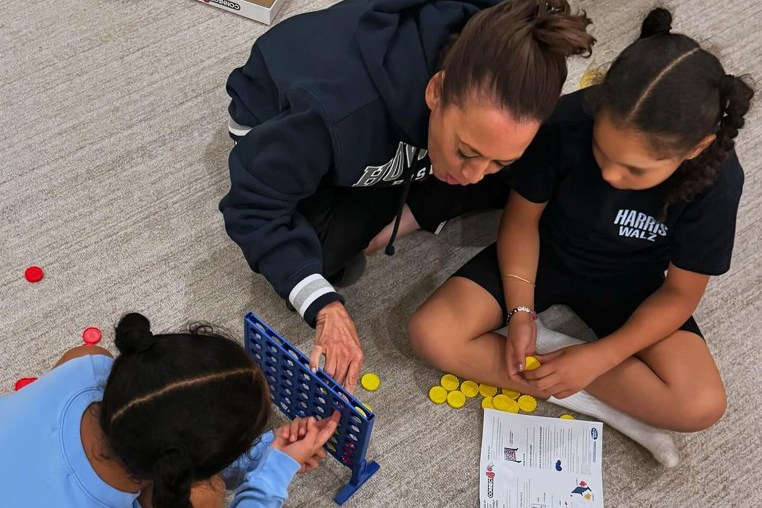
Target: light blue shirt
(43, 463)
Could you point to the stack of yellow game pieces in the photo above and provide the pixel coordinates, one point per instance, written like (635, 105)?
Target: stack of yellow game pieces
(455, 393)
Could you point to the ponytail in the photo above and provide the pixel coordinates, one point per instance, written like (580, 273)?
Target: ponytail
(180, 407)
(514, 55)
(665, 86)
(172, 479)
(699, 173)
(561, 32)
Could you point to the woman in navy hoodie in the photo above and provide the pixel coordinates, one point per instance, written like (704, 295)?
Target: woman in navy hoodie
(341, 115)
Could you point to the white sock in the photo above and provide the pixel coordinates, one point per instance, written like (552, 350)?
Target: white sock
(658, 441)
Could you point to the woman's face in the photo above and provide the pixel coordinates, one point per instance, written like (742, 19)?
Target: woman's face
(627, 160)
(474, 139)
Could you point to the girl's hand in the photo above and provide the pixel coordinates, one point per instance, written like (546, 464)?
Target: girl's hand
(303, 439)
(295, 430)
(568, 370)
(313, 462)
(522, 339)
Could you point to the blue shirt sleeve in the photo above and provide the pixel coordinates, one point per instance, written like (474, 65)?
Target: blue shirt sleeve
(261, 476)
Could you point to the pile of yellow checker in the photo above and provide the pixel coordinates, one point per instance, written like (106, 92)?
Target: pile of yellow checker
(455, 393)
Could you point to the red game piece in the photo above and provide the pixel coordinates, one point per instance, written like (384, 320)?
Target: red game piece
(91, 336)
(21, 383)
(34, 274)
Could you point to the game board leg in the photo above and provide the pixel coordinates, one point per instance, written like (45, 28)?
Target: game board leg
(353, 485)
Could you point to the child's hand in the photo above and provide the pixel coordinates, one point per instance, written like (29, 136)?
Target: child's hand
(568, 370)
(296, 430)
(303, 438)
(522, 339)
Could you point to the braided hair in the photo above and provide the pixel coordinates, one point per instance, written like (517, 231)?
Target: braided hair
(179, 407)
(665, 86)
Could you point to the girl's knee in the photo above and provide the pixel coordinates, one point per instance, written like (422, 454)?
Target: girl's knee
(422, 334)
(700, 410)
(431, 338)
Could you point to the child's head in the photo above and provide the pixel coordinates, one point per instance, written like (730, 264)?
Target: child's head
(500, 79)
(667, 111)
(180, 407)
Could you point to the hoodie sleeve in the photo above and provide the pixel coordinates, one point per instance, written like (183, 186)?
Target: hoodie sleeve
(267, 484)
(273, 167)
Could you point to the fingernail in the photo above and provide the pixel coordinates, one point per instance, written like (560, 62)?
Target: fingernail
(521, 367)
(313, 369)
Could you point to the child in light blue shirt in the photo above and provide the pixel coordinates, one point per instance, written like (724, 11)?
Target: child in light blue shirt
(154, 428)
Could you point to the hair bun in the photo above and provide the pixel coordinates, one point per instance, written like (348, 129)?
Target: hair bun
(550, 7)
(658, 21)
(133, 334)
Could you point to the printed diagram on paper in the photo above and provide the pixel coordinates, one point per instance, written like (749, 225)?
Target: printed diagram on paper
(538, 462)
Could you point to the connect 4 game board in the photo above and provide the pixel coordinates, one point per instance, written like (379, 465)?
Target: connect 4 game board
(298, 392)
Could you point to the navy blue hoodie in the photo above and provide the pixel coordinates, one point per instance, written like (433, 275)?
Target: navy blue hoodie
(335, 95)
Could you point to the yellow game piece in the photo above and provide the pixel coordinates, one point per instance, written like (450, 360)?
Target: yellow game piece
(500, 402)
(361, 411)
(487, 390)
(511, 394)
(505, 403)
(367, 406)
(469, 389)
(592, 77)
(437, 394)
(567, 417)
(370, 382)
(456, 399)
(487, 403)
(450, 382)
(531, 363)
(527, 403)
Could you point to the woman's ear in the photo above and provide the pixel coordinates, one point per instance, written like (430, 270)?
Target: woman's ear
(434, 91)
(701, 146)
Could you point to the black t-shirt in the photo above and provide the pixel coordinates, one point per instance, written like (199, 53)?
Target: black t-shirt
(596, 230)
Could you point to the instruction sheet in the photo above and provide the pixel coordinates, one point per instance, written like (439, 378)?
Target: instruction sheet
(538, 462)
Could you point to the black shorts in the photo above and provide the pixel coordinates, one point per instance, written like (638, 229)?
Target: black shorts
(434, 202)
(604, 304)
(346, 219)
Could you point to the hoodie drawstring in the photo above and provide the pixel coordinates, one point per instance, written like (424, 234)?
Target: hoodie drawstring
(389, 250)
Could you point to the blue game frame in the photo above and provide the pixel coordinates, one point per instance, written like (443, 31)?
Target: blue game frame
(298, 392)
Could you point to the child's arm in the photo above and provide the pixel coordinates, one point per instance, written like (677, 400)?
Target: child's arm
(572, 369)
(518, 249)
(660, 315)
(82, 351)
(267, 484)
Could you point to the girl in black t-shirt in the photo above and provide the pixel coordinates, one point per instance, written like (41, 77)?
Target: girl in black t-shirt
(627, 180)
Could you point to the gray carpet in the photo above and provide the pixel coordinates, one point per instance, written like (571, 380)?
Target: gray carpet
(113, 152)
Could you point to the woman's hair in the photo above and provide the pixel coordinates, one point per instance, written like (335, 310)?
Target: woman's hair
(180, 407)
(514, 54)
(666, 87)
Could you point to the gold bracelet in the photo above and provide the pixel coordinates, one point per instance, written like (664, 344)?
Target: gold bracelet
(522, 279)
